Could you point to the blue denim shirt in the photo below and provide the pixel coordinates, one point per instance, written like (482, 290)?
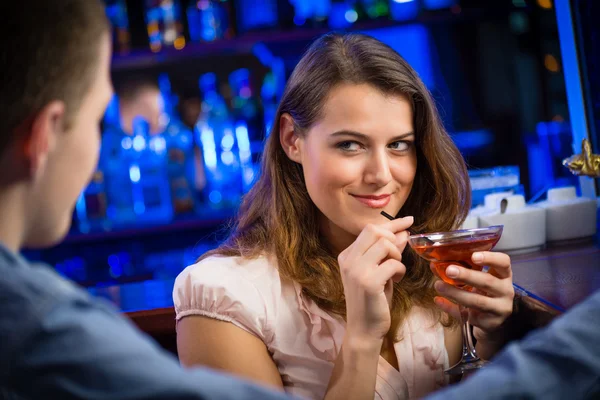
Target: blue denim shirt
(561, 361)
(57, 342)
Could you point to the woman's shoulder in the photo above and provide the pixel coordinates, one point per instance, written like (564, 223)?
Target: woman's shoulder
(234, 289)
(255, 269)
(234, 273)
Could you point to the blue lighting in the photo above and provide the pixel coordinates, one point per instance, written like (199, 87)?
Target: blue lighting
(134, 173)
(112, 116)
(227, 142)
(139, 208)
(439, 4)
(310, 9)
(115, 268)
(207, 138)
(412, 42)
(472, 141)
(404, 10)
(243, 142)
(241, 134)
(351, 16)
(253, 14)
(227, 157)
(215, 197)
(262, 52)
(126, 143)
(113, 261)
(158, 144)
(299, 21)
(248, 176)
(80, 207)
(575, 94)
(342, 16)
(139, 143)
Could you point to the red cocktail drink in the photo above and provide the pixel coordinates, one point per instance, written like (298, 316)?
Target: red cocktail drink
(457, 250)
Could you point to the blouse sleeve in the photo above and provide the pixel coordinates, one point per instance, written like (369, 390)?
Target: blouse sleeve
(218, 288)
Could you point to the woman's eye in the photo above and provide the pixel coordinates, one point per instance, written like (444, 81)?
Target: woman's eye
(348, 146)
(400, 145)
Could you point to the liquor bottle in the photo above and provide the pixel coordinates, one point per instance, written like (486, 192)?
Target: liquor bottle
(215, 131)
(209, 20)
(181, 154)
(247, 121)
(116, 11)
(148, 175)
(164, 24)
(115, 156)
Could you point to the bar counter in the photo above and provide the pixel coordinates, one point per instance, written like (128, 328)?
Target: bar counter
(552, 280)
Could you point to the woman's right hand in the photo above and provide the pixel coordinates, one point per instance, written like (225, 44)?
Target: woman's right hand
(368, 267)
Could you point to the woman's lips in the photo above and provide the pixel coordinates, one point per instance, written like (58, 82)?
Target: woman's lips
(374, 201)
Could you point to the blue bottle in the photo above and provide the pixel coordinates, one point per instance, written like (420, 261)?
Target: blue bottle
(148, 175)
(164, 24)
(248, 124)
(272, 86)
(115, 156)
(209, 20)
(116, 10)
(216, 132)
(92, 208)
(185, 179)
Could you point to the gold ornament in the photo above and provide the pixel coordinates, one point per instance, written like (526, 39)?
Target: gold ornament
(584, 164)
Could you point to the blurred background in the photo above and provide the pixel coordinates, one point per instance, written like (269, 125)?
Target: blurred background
(197, 86)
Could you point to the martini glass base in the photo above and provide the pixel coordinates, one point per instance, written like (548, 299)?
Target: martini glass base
(462, 367)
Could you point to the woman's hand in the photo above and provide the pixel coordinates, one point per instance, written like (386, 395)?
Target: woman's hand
(368, 267)
(489, 303)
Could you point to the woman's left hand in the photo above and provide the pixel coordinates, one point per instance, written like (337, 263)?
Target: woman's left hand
(489, 303)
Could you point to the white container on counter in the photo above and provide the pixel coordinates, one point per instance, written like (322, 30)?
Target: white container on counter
(491, 203)
(524, 226)
(569, 217)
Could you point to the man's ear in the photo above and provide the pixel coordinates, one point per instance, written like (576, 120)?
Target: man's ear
(41, 135)
(289, 139)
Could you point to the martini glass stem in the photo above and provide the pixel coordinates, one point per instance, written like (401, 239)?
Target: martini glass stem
(469, 354)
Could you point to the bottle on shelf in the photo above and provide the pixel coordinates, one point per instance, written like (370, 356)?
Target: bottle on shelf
(164, 24)
(116, 10)
(254, 15)
(115, 155)
(148, 175)
(91, 206)
(92, 210)
(185, 172)
(216, 132)
(248, 124)
(209, 20)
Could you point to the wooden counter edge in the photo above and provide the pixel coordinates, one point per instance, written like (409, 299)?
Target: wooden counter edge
(158, 321)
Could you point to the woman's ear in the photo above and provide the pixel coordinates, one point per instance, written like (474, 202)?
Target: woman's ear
(289, 139)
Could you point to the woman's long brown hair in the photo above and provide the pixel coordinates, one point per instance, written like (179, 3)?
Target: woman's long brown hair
(277, 217)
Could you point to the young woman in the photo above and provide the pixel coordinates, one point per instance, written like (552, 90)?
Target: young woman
(315, 291)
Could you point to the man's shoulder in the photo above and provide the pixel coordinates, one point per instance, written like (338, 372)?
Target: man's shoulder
(28, 292)
(34, 286)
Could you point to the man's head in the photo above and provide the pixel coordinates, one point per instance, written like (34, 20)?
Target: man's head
(141, 97)
(54, 88)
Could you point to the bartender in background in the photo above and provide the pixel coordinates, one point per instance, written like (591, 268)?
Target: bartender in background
(141, 98)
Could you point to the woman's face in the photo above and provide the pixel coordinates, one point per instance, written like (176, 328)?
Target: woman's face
(359, 159)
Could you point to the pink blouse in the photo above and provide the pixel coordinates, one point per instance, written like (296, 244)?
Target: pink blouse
(302, 339)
